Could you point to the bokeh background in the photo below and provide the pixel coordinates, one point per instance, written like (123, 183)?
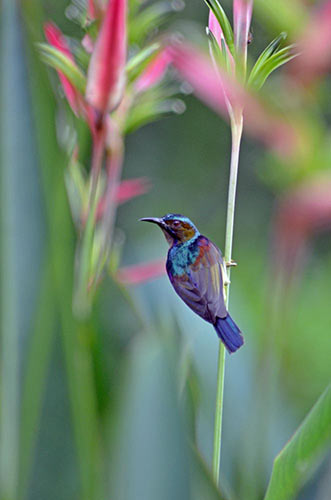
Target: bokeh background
(103, 408)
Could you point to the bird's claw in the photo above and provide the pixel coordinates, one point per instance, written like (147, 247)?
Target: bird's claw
(232, 263)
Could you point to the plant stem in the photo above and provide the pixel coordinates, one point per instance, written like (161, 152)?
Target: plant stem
(236, 132)
(81, 302)
(114, 163)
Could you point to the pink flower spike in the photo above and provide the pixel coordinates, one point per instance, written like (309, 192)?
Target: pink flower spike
(212, 87)
(131, 188)
(154, 72)
(134, 275)
(57, 40)
(242, 15)
(106, 73)
(216, 30)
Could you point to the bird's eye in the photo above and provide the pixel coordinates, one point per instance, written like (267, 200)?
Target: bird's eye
(176, 223)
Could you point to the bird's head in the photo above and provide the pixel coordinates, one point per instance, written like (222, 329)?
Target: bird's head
(176, 227)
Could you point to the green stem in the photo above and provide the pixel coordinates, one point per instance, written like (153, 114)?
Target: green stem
(81, 302)
(236, 131)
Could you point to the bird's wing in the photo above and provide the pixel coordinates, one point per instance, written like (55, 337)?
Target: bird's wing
(201, 287)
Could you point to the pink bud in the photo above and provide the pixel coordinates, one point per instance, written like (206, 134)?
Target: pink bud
(216, 30)
(57, 40)
(154, 72)
(134, 275)
(106, 73)
(242, 15)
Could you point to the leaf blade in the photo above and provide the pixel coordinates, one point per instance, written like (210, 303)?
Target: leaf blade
(224, 22)
(59, 61)
(303, 451)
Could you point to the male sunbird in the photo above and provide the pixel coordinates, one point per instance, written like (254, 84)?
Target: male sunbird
(197, 272)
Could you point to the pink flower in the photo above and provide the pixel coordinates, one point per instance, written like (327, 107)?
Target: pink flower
(127, 190)
(194, 67)
(242, 15)
(214, 88)
(314, 46)
(57, 40)
(131, 188)
(301, 213)
(154, 72)
(106, 73)
(134, 275)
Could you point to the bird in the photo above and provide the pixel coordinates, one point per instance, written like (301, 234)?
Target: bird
(197, 272)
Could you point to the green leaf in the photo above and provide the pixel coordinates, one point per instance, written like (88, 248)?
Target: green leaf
(259, 75)
(138, 61)
(224, 22)
(268, 51)
(215, 50)
(77, 189)
(203, 484)
(60, 62)
(297, 460)
(149, 18)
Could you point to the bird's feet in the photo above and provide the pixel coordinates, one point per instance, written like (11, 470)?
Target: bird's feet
(232, 263)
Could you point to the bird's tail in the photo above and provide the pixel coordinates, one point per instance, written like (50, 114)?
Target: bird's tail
(229, 333)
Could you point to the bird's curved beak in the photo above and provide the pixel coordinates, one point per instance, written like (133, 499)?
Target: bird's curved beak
(163, 226)
(155, 220)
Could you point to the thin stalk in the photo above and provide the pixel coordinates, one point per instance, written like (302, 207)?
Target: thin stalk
(81, 303)
(236, 132)
(114, 162)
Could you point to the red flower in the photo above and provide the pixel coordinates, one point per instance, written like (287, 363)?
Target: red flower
(134, 275)
(154, 72)
(57, 40)
(106, 73)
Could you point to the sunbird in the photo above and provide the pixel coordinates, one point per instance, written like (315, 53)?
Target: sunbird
(197, 272)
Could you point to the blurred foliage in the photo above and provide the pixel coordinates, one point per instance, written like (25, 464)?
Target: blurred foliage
(99, 406)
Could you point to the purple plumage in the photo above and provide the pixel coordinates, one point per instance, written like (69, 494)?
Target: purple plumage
(197, 272)
(229, 333)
